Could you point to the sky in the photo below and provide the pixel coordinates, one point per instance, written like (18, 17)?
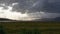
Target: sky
(29, 9)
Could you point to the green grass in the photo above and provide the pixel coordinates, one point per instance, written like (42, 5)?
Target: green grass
(31, 27)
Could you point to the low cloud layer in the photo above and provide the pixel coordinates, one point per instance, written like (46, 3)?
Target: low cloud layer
(14, 15)
(16, 11)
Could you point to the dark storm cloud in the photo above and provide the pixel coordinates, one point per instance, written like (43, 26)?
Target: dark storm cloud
(35, 5)
(40, 8)
(53, 7)
(23, 4)
(47, 5)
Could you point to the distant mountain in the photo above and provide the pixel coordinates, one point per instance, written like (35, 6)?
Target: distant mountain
(49, 19)
(4, 19)
(46, 19)
(57, 19)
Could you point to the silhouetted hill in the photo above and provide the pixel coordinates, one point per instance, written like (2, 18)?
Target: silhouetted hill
(46, 19)
(4, 19)
(57, 19)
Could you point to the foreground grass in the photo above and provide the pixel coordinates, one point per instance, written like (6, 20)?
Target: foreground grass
(31, 27)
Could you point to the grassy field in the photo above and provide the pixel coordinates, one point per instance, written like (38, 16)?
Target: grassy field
(30, 27)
